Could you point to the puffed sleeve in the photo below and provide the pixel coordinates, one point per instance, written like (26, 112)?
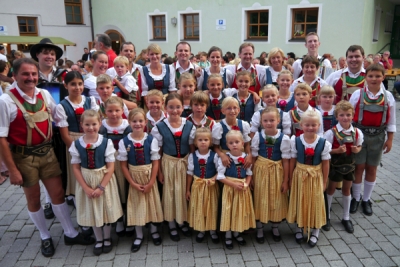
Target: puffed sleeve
(110, 151)
(230, 91)
(126, 111)
(154, 149)
(156, 134)
(321, 124)
(246, 131)
(229, 77)
(286, 123)
(285, 147)
(130, 84)
(75, 157)
(248, 171)
(293, 150)
(221, 170)
(216, 158)
(192, 134)
(326, 153)
(93, 104)
(257, 106)
(122, 153)
(255, 145)
(190, 167)
(60, 117)
(328, 136)
(216, 133)
(255, 122)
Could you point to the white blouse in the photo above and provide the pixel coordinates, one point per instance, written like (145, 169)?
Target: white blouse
(330, 112)
(190, 170)
(221, 169)
(217, 131)
(325, 152)
(159, 137)
(229, 76)
(172, 85)
(60, 117)
(286, 123)
(285, 144)
(154, 148)
(152, 120)
(109, 154)
(129, 82)
(301, 80)
(120, 128)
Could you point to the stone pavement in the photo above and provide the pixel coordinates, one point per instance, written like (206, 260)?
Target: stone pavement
(375, 242)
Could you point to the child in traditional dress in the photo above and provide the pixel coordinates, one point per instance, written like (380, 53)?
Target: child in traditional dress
(202, 191)
(187, 85)
(237, 204)
(375, 116)
(308, 176)
(271, 154)
(199, 103)
(302, 95)
(155, 103)
(346, 142)
(138, 153)
(97, 199)
(286, 98)
(326, 98)
(175, 137)
(115, 128)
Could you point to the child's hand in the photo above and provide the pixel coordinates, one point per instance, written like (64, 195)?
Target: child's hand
(341, 149)
(97, 193)
(355, 149)
(89, 192)
(256, 99)
(284, 187)
(187, 195)
(387, 146)
(226, 161)
(146, 188)
(161, 178)
(137, 187)
(198, 72)
(239, 186)
(248, 161)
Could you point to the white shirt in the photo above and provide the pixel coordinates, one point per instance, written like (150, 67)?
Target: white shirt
(156, 134)
(154, 148)
(60, 118)
(301, 80)
(285, 144)
(3, 57)
(172, 86)
(330, 112)
(227, 92)
(329, 136)
(217, 131)
(90, 83)
(9, 108)
(325, 152)
(112, 72)
(120, 128)
(152, 120)
(129, 82)
(274, 74)
(335, 77)
(391, 124)
(221, 169)
(109, 153)
(297, 66)
(286, 123)
(190, 170)
(229, 76)
(261, 72)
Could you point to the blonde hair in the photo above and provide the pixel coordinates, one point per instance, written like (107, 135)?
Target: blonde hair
(155, 48)
(121, 60)
(114, 100)
(103, 78)
(187, 76)
(244, 73)
(269, 87)
(19, 53)
(215, 76)
(90, 113)
(310, 114)
(343, 105)
(200, 97)
(135, 112)
(89, 63)
(229, 101)
(273, 52)
(285, 72)
(205, 131)
(326, 90)
(157, 93)
(270, 109)
(234, 133)
(304, 87)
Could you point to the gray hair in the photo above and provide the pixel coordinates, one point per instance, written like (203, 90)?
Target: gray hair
(104, 39)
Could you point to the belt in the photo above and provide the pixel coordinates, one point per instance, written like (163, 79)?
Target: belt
(370, 130)
(39, 150)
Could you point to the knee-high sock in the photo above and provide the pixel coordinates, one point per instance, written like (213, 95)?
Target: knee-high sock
(356, 188)
(346, 207)
(368, 188)
(107, 233)
(228, 235)
(260, 229)
(62, 213)
(329, 200)
(38, 219)
(120, 225)
(98, 233)
(139, 234)
(153, 229)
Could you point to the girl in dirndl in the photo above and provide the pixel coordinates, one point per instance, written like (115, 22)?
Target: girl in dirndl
(271, 154)
(175, 137)
(202, 191)
(96, 193)
(139, 157)
(308, 176)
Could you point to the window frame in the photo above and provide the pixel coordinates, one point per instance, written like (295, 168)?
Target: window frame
(185, 37)
(153, 27)
(256, 7)
(377, 24)
(73, 4)
(35, 19)
(258, 24)
(180, 25)
(305, 23)
(289, 20)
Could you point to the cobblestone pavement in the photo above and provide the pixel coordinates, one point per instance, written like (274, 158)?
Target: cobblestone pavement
(375, 242)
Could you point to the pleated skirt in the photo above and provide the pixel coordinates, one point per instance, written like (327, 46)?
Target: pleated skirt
(71, 180)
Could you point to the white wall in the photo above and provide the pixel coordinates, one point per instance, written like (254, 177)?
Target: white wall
(51, 21)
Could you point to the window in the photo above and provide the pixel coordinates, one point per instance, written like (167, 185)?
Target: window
(27, 26)
(377, 24)
(159, 27)
(304, 21)
(73, 11)
(257, 25)
(389, 22)
(191, 28)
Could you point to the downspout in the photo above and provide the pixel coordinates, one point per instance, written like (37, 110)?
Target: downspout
(91, 19)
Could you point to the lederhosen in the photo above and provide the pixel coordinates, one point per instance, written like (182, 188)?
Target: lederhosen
(348, 86)
(205, 79)
(161, 85)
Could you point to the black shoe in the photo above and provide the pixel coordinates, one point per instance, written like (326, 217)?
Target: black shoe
(129, 233)
(260, 240)
(98, 250)
(311, 243)
(240, 242)
(156, 241)
(88, 232)
(135, 248)
(216, 239)
(176, 237)
(348, 225)
(276, 238)
(354, 205)
(200, 239)
(80, 239)
(299, 239)
(187, 232)
(47, 247)
(367, 207)
(327, 226)
(70, 202)
(48, 211)
(108, 248)
(229, 246)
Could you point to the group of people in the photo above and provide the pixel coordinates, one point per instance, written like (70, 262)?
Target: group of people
(214, 149)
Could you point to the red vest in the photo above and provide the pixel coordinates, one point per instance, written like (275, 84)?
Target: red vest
(336, 144)
(373, 119)
(18, 132)
(255, 87)
(314, 94)
(351, 82)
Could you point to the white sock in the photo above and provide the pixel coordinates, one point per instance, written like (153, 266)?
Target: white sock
(329, 198)
(120, 225)
(201, 234)
(228, 235)
(346, 207)
(213, 234)
(356, 188)
(62, 213)
(275, 228)
(299, 232)
(172, 225)
(315, 232)
(236, 235)
(368, 188)
(154, 229)
(139, 234)
(48, 199)
(40, 223)
(107, 234)
(98, 233)
(260, 229)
